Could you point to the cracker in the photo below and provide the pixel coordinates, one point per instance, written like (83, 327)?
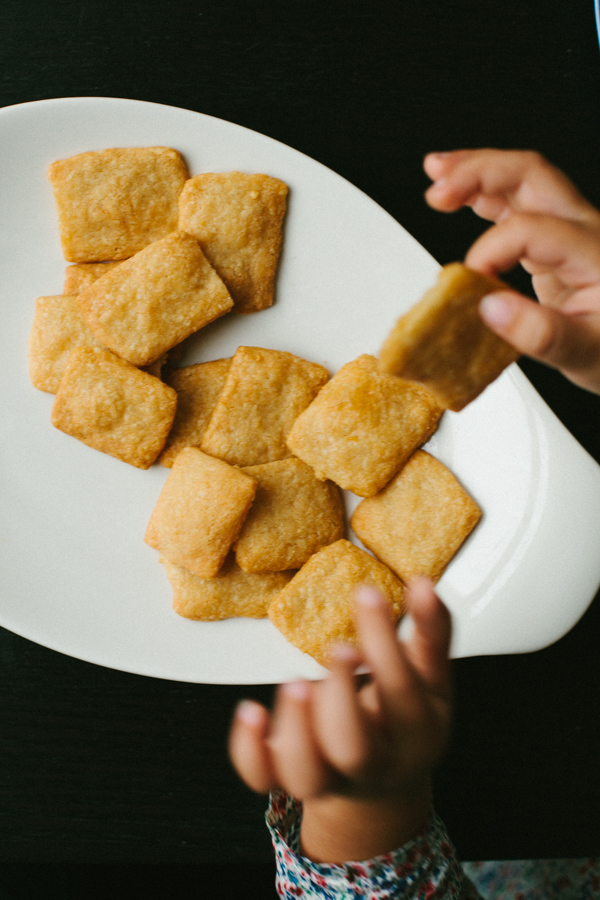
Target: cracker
(363, 426)
(265, 391)
(198, 388)
(112, 203)
(443, 343)
(113, 407)
(57, 329)
(316, 609)
(83, 275)
(418, 522)
(238, 220)
(199, 512)
(293, 515)
(154, 300)
(229, 594)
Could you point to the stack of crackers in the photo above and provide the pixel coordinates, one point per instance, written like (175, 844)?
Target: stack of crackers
(250, 520)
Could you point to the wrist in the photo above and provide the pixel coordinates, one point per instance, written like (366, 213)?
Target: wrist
(337, 829)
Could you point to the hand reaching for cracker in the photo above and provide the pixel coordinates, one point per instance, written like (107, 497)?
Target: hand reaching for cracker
(542, 222)
(359, 757)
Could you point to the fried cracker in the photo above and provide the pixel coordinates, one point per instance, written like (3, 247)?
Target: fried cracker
(443, 343)
(57, 329)
(265, 391)
(230, 593)
(418, 522)
(154, 300)
(199, 512)
(83, 275)
(238, 220)
(363, 426)
(112, 203)
(316, 609)
(294, 514)
(198, 388)
(114, 407)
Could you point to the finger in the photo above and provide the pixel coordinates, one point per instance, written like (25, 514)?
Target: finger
(519, 181)
(569, 343)
(397, 686)
(339, 719)
(427, 650)
(570, 250)
(297, 760)
(247, 746)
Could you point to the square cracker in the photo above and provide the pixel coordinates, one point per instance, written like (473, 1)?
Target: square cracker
(238, 220)
(154, 300)
(294, 514)
(113, 407)
(57, 329)
(198, 388)
(230, 593)
(199, 512)
(265, 391)
(363, 426)
(443, 343)
(418, 522)
(83, 275)
(112, 203)
(316, 609)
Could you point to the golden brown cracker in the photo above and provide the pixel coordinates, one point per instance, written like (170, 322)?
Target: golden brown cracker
(294, 514)
(265, 391)
(443, 343)
(154, 300)
(58, 328)
(199, 512)
(114, 407)
(238, 220)
(316, 609)
(363, 426)
(198, 388)
(418, 522)
(232, 592)
(82, 275)
(112, 203)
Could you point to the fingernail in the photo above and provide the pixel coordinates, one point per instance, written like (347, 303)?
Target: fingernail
(369, 597)
(407, 628)
(249, 712)
(496, 310)
(344, 653)
(296, 690)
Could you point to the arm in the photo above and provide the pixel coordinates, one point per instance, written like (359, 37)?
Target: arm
(357, 758)
(542, 222)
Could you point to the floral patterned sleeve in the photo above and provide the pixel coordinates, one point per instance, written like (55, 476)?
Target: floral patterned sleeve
(425, 868)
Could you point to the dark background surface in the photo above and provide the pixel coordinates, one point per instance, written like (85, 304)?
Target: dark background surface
(127, 776)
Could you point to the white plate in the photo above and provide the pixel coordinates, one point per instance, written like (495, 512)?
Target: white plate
(76, 574)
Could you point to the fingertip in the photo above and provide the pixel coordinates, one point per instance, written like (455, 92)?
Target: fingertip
(498, 311)
(251, 714)
(369, 597)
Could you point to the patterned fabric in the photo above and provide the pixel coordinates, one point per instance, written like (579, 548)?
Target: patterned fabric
(536, 879)
(425, 868)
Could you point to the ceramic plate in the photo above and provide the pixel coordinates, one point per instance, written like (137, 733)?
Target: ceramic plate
(76, 574)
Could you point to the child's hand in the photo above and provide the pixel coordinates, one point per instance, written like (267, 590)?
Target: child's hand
(545, 224)
(360, 758)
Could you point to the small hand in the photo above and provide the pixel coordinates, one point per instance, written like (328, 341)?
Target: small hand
(359, 756)
(543, 223)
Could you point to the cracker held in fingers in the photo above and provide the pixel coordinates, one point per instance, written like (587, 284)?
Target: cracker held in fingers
(363, 426)
(419, 521)
(151, 302)
(238, 220)
(200, 512)
(112, 203)
(113, 407)
(316, 609)
(443, 343)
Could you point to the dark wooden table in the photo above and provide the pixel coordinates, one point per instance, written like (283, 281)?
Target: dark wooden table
(106, 768)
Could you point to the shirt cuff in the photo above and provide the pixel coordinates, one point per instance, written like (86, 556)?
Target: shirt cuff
(424, 867)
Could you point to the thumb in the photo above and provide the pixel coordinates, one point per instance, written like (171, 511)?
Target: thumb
(567, 342)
